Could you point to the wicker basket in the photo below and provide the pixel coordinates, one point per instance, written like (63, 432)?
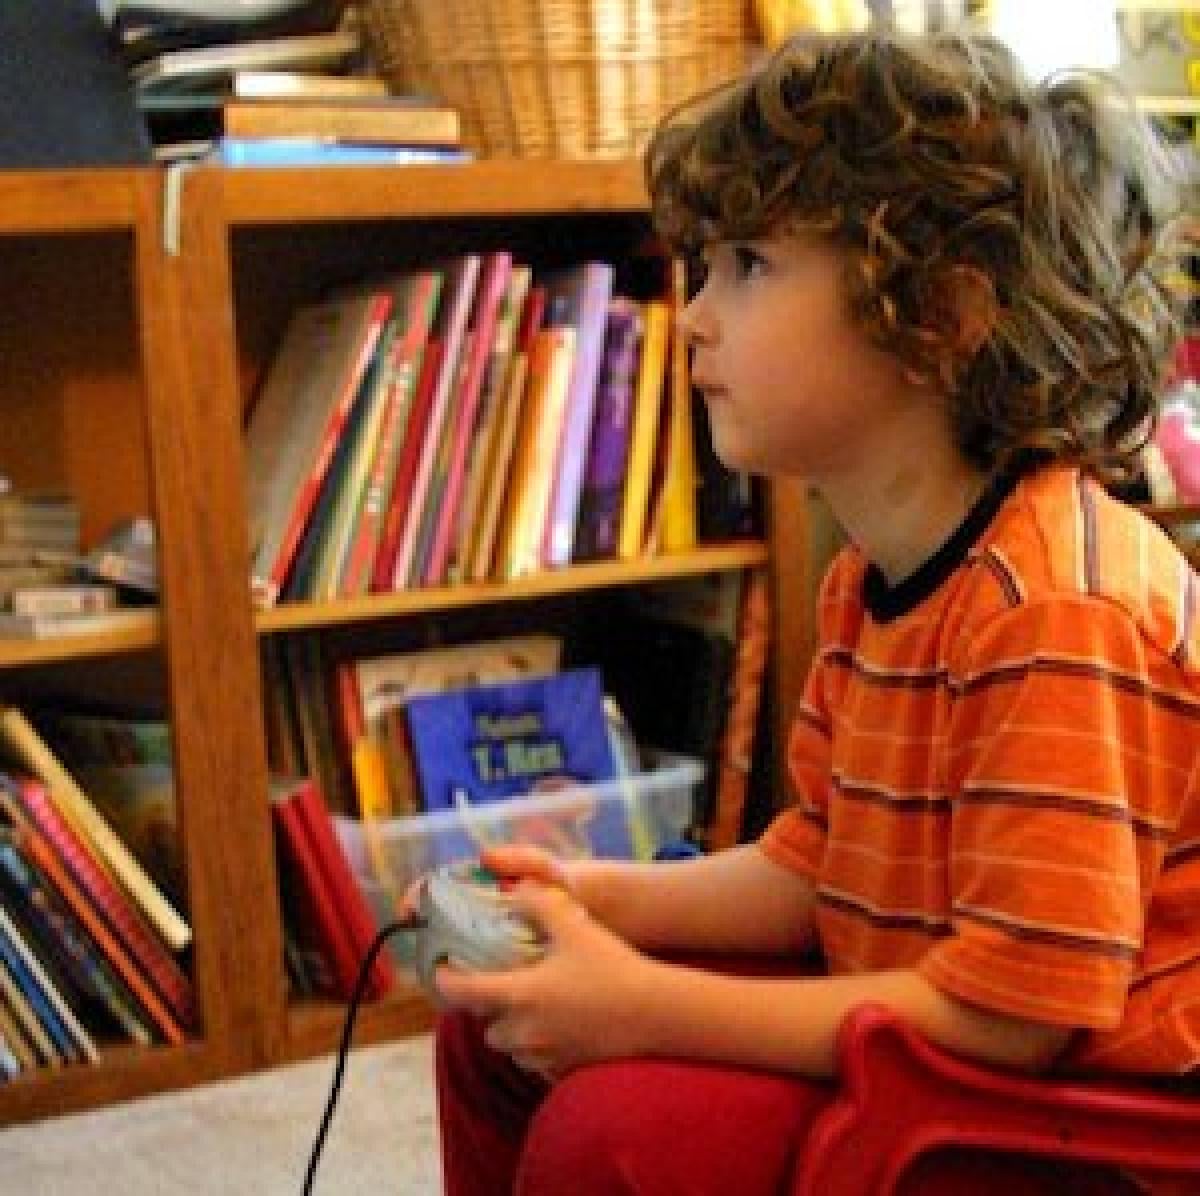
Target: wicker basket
(557, 78)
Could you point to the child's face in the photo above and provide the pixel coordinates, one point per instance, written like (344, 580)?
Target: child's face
(792, 383)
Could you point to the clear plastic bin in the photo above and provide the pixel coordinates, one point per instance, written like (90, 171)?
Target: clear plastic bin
(633, 818)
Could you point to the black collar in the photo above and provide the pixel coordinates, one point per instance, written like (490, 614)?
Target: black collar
(886, 602)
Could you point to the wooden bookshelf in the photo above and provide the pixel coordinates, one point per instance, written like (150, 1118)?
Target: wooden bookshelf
(130, 346)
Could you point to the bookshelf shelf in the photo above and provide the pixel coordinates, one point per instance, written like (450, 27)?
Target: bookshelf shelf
(316, 1026)
(146, 633)
(718, 558)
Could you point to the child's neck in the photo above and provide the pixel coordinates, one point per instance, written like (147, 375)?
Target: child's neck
(901, 517)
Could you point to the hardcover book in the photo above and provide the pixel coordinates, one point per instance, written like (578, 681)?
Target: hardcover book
(608, 451)
(540, 736)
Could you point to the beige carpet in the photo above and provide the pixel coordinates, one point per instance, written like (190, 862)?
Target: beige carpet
(249, 1136)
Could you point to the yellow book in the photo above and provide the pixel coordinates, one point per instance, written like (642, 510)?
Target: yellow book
(646, 408)
(27, 745)
(369, 766)
(532, 477)
(679, 473)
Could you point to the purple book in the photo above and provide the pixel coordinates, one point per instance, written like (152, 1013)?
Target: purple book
(582, 294)
(599, 519)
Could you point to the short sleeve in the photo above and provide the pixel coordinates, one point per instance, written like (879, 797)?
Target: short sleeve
(1051, 729)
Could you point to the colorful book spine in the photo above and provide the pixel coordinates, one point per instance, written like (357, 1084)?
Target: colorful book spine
(481, 454)
(144, 950)
(70, 1039)
(532, 480)
(71, 802)
(13, 997)
(399, 500)
(63, 938)
(679, 474)
(597, 527)
(493, 283)
(647, 406)
(404, 368)
(464, 276)
(587, 290)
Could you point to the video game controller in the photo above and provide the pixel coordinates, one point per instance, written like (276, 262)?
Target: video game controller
(466, 919)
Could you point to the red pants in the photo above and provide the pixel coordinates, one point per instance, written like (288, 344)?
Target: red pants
(659, 1127)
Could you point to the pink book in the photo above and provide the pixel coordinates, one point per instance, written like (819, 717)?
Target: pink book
(456, 307)
(492, 283)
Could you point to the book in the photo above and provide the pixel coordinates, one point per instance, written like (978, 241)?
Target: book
(531, 483)
(57, 600)
(389, 121)
(538, 736)
(136, 951)
(126, 556)
(460, 432)
(597, 526)
(399, 498)
(13, 998)
(15, 1038)
(103, 622)
(189, 69)
(70, 1039)
(296, 421)
(324, 151)
(679, 470)
(24, 743)
(402, 368)
(462, 277)
(336, 911)
(69, 954)
(305, 85)
(481, 454)
(124, 981)
(497, 470)
(647, 405)
(579, 297)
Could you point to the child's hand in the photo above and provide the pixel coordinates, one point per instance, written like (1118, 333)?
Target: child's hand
(578, 1004)
(520, 861)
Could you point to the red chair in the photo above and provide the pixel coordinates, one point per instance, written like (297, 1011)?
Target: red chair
(901, 1097)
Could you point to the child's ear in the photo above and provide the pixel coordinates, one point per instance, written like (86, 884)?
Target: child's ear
(963, 307)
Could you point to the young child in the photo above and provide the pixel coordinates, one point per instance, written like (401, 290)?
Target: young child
(934, 292)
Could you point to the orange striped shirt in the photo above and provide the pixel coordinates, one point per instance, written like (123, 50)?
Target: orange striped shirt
(997, 773)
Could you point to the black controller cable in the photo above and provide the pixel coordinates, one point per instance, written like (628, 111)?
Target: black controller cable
(339, 1071)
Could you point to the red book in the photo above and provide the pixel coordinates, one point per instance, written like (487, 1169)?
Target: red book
(137, 938)
(340, 915)
(404, 366)
(406, 470)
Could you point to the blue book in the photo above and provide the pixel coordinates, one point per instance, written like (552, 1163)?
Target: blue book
(304, 151)
(540, 737)
(14, 956)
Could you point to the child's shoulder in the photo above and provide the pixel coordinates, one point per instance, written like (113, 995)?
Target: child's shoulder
(1062, 539)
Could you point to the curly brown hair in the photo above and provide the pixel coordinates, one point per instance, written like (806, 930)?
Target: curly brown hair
(921, 155)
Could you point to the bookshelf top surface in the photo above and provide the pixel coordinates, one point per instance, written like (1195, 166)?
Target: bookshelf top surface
(37, 201)
(490, 187)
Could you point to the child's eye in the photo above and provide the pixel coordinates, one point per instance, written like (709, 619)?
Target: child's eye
(748, 262)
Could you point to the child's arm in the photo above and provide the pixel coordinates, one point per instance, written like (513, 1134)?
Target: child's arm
(593, 997)
(733, 901)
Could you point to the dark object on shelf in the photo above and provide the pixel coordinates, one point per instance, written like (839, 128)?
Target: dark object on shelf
(66, 98)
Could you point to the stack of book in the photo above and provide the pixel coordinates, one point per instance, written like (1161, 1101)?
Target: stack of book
(271, 84)
(88, 939)
(469, 421)
(48, 588)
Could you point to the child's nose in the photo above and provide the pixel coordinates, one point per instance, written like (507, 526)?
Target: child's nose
(693, 322)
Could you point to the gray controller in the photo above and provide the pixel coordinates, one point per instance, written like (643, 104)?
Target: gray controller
(468, 921)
